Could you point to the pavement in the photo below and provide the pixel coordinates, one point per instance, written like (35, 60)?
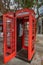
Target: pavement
(37, 59)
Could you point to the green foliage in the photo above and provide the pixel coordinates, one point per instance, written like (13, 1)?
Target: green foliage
(27, 3)
(39, 4)
(16, 0)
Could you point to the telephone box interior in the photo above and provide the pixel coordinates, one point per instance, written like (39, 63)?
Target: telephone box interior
(22, 37)
(19, 35)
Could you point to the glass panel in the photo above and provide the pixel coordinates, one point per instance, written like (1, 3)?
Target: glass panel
(10, 36)
(26, 32)
(33, 34)
(8, 32)
(0, 28)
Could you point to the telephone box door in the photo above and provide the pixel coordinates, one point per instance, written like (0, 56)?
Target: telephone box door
(9, 32)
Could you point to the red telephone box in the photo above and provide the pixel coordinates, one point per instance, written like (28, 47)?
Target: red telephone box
(19, 34)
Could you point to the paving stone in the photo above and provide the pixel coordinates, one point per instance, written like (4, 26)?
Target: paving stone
(37, 59)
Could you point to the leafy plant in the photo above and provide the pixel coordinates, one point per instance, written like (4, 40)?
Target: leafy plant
(27, 3)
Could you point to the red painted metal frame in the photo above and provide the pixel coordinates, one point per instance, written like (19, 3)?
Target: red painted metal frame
(12, 38)
(31, 18)
(24, 10)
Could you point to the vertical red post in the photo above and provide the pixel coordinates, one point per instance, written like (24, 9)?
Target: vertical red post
(30, 38)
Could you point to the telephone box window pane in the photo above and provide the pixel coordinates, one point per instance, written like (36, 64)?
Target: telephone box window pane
(26, 33)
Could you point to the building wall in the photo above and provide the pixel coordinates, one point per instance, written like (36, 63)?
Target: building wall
(40, 26)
